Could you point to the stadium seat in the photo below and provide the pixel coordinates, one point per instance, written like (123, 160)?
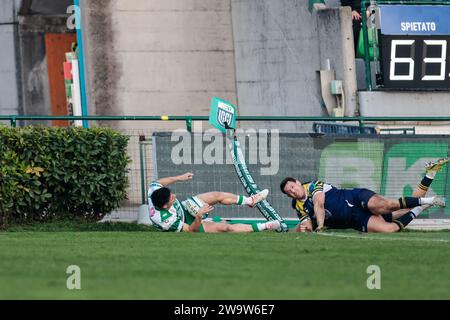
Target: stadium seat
(341, 128)
(372, 40)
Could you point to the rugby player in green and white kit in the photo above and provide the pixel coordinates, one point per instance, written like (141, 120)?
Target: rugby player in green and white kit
(167, 213)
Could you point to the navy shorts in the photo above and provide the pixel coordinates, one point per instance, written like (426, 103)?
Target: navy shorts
(360, 213)
(361, 197)
(360, 219)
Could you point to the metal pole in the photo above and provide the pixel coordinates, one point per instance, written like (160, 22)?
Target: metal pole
(141, 156)
(189, 124)
(84, 108)
(366, 46)
(361, 126)
(238, 118)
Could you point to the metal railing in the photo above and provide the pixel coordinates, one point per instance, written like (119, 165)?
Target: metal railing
(13, 119)
(140, 149)
(369, 84)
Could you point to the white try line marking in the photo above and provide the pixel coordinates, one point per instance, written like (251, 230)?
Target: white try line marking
(330, 234)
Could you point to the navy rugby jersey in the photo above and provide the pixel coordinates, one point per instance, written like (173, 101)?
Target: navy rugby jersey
(338, 204)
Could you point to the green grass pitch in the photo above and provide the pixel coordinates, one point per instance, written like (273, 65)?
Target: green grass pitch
(140, 264)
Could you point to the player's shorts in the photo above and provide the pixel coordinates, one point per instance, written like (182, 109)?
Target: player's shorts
(361, 213)
(191, 206)
(360, 219)
(202, 229)
(361, 197)
(348, 208)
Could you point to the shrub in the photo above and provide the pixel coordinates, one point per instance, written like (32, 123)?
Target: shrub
(48, 172)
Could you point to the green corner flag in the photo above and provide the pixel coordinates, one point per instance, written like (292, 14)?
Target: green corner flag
(222, 112)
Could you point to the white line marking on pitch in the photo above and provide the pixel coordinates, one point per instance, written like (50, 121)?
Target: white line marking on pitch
(382, 238)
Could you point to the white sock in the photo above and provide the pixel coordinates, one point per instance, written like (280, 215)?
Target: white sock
(243, 201)
(423, 201)
(262, 226)
(416, 211)
(430, 174)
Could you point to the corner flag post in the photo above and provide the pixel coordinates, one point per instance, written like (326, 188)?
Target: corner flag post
(223, 117)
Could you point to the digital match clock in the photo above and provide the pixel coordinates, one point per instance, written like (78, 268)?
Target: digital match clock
(415, 47)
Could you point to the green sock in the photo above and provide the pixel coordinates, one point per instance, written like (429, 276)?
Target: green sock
(255, 227)
(243, 201)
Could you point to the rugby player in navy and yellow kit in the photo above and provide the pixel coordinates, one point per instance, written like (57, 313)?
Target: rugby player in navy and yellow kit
(321, 205)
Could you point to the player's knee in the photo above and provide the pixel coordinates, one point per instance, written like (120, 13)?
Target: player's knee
(391, 228)
(393, 205)
(377, 204)
(217, 195)
(384, 206)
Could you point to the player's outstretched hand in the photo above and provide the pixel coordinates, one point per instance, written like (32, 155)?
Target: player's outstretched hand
(302, 228)
(187, 176)
(319, 229)
(205, 210)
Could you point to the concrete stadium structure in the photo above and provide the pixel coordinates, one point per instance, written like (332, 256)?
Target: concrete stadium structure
(149, 57)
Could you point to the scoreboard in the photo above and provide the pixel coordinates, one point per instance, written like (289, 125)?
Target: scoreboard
(415, 47)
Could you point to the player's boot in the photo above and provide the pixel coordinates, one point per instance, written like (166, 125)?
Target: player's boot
(437, 165)
(438, 202)
(273, 225)
(260, 196)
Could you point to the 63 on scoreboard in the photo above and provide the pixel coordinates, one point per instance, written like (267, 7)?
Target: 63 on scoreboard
(415, 47)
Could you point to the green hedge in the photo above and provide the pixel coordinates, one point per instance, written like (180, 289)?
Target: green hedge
(48, 172)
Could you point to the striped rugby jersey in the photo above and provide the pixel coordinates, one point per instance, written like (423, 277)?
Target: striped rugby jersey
(305, 208)
(165, 220)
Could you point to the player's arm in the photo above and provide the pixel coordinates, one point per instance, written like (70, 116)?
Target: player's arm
(319, 209)
(171, 180)
(195, 226)
(305, 224)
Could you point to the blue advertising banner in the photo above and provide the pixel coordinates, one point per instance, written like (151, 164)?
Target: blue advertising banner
(415, 20)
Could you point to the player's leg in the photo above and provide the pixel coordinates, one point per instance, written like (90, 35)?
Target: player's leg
(421, 190)
(379, 225)
(379, 205)
(385, 223)
(226, 198)
(217, 227)
(193, 204)
(373, 202)
(431, 168)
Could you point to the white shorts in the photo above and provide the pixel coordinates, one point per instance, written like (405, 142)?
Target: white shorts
(192, 205)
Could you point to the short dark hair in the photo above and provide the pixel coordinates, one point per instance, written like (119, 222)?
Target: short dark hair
(160, 197)
(285, 181)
